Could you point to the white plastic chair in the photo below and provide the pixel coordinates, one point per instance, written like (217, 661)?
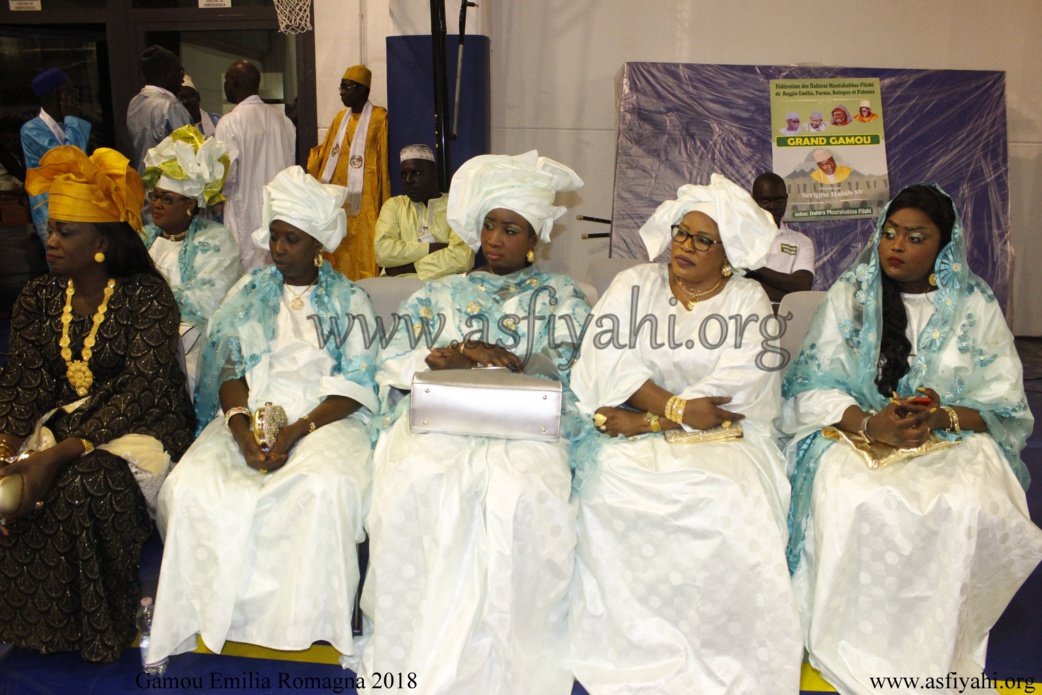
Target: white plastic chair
(601, 272)
(802, 306)
(388, 293)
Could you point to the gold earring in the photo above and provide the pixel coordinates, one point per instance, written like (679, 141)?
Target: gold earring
(318, 260)
(530, 256)
(932, 279)
(99, 257)
(726, 270)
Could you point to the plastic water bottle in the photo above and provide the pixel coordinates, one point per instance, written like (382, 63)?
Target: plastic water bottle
(144, 624)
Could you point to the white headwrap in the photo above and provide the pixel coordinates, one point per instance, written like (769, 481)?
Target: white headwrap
(312, 207)
(525, 184)
(185, 163)
(746, 229)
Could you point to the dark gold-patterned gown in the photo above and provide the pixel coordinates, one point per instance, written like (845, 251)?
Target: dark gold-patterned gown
(69, 571)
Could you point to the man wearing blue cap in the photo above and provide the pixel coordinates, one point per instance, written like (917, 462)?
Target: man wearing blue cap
(60, 123)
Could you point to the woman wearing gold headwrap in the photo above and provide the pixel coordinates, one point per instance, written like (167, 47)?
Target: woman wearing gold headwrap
(93, 389)
(198, 257)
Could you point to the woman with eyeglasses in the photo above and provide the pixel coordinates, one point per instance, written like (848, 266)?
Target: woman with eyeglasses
(681, 580)
(198, 257)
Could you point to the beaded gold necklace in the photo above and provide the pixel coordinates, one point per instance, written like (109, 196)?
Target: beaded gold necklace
(696, 296)
(77, 372)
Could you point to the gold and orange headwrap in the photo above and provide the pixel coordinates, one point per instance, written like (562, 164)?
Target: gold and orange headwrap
(100, 188)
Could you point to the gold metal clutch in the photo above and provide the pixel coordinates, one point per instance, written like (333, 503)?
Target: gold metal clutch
(876, 455)
(713, 434)
(10, 494)
(267, 421)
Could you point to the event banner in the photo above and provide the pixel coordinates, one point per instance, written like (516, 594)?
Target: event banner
(828, 145)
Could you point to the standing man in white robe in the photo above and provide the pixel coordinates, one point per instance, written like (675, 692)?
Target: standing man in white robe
(261, 143)
(155, 112)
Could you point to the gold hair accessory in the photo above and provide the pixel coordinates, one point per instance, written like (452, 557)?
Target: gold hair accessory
(297, 303)
(696, 295)
(267, 421)
(653, 421)
(99, 257)
(932, 279)
(726, 270)
(318, 259)
(530, 256)
(78, 373)
(953, 425)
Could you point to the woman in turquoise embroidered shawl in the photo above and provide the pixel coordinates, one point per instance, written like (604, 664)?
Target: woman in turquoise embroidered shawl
(199, 258)
(903, 570)
(260, 540)
(472, 538)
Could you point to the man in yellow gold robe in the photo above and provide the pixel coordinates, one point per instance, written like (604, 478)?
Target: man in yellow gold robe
(354, 154)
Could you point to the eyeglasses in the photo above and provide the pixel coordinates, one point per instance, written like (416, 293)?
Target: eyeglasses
(701, 243)
(165, 198)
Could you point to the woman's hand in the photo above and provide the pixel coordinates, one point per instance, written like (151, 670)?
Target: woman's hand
(288, 436)
(486, 355)
(901, 424)
(38, 471)
(705, 413)
(256, 457)
(622, 421)
(447, 358)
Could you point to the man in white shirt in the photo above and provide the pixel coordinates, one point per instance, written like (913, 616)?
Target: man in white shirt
(60, 123)
(261, 143)
(790, 263)
(413, 236)
(817, 123)
(155, 111)
(792, 124)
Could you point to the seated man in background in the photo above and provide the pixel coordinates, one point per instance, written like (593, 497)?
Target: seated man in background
(413, 237)
(790, 263)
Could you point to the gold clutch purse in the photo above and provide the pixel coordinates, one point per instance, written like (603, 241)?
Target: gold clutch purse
(876, 455)
(713, 434)
(267, 421)
(10, 494)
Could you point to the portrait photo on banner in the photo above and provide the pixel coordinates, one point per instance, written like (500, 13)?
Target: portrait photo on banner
(829, 146)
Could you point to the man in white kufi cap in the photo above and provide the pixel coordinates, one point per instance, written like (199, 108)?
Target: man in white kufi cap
(413, 237)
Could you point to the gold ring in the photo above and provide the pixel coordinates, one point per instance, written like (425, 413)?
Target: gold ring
(38, 505)
(263, 471)
(600, 419)
(725, 424)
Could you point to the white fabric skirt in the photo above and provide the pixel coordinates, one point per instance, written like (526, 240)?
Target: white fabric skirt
(263, 559)
(906, 569)
(472, 545)
(682, 585)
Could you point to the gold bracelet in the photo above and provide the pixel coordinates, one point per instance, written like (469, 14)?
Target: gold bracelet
(311, 423)
(232, 412)
(653, 420)
(87, 446)
(675, 409)
(681, 405)
(953, 425)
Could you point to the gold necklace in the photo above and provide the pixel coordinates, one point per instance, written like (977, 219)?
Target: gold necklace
(695, 295)
(175, 237)
(78, 373)
(297, 303)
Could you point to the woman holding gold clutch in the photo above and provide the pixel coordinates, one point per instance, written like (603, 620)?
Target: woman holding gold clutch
(902, 569)
(93, 394)
(259, 521)
(681, 583)
(472, 537)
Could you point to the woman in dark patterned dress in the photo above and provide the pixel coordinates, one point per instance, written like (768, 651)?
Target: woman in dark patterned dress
(93, 358)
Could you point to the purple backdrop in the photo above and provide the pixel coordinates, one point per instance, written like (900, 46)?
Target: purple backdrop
(679, 123)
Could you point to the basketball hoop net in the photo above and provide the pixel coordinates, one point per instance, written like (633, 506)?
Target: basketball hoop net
(294, 16)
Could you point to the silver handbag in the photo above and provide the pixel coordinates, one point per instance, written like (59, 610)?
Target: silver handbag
(486, 403)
